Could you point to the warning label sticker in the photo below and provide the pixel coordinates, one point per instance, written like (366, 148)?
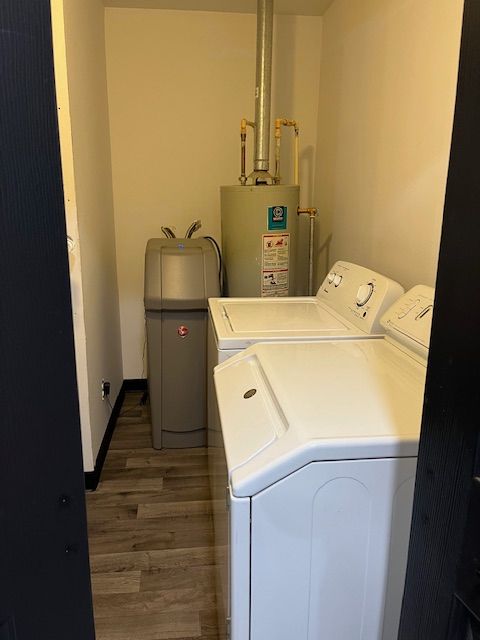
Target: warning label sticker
(275, 254)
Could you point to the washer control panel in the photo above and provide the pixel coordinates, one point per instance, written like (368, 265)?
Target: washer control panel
(409, 320)
(359, 294)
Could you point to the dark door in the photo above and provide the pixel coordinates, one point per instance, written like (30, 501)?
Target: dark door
(44, 571)
(442, 594)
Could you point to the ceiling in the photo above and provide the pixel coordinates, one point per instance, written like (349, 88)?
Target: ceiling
(292, 7)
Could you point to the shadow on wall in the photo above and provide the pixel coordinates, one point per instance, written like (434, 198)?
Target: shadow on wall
(321, 256)
(306, 161)
(284, 48)
(305, 170)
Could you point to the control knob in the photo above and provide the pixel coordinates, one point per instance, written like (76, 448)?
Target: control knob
(364, 294)
(331, 277)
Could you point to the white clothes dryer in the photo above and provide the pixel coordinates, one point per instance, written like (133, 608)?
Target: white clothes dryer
(318, 458)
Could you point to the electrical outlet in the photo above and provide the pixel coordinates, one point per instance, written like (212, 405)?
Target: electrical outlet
(105, 388)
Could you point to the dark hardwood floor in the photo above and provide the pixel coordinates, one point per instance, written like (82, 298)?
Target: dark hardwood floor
(151, 538)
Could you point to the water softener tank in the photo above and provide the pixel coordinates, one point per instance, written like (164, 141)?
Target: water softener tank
(180, 276)
(259, 239)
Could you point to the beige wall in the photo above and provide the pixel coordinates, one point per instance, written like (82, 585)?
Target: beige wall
(387, 91)
(84, 131)
(178, 84)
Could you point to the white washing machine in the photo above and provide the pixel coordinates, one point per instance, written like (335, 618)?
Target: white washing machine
(319, 455)
(349, 304)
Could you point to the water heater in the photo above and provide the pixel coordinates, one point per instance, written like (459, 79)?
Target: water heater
(259, 239)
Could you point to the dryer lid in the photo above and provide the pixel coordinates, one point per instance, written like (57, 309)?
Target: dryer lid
(260, 424)
(338, 400)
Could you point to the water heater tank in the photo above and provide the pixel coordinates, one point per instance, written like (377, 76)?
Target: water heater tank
(259, 239)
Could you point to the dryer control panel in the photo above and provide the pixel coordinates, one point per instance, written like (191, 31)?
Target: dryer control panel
(359, 294)
(409, 319)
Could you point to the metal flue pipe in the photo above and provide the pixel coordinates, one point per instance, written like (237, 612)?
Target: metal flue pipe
(263, 84)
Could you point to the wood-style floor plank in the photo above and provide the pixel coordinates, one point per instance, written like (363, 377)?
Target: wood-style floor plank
(137, 461)
(111, 514)
(172, 509)
(109, 583)
(147, 497)
(155, 626)
(150, 602)
(177, 578)
(151, 538)
(188, 522)
(159, 471)
(146, 540)
(152, 560)
(131, 484)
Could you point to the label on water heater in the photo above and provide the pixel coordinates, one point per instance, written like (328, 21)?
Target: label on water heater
(275, 253)
(277, 218)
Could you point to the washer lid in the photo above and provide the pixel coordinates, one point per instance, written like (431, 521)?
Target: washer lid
(275, 316)
(240, 322)
(319, 401)
(348, 304)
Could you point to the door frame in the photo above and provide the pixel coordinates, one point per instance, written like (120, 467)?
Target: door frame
(450, 423)
(45, 590)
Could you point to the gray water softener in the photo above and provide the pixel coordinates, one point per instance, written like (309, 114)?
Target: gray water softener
(180, 275)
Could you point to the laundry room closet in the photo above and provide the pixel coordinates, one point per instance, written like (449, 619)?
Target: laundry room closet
(150, 95)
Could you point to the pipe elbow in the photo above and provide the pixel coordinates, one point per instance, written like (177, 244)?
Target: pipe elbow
(311, 211)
